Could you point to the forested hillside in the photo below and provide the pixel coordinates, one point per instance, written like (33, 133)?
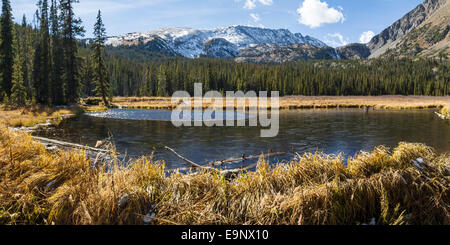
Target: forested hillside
(161, 77)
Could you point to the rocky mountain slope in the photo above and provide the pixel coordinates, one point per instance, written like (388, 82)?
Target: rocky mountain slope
(423, 31)
(272, 53)
(354, 51)
(227, 42)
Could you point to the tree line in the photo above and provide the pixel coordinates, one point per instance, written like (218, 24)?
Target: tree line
(40, 61)
(162, 77)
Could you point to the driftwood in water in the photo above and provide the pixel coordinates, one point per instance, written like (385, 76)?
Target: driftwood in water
(244, 158)
(226, 173)
(70, 145)
(193, 164)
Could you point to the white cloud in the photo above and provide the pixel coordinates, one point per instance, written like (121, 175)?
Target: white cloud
(366, 36)
(336, 40)
(255, 17)
(266, 2)
(314, 13)
(251, 4)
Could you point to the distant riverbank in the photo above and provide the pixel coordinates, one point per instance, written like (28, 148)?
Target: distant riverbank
(299, 102)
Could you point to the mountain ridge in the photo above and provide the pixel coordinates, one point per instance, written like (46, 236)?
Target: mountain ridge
(424, 31)
(393, 37)
(194, 43)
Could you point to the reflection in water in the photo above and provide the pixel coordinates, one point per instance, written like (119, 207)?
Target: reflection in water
(161, 115)
(330, 131)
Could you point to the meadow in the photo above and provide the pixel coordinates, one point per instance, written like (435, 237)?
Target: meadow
(298, 102)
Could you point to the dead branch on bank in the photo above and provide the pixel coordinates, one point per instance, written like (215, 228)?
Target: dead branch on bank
(226, 173)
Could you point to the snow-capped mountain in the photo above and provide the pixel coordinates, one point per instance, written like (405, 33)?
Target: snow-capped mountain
(225, 42)
(424, 31)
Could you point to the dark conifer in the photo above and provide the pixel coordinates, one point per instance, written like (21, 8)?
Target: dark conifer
(102, 86)
(6, 48)
(70, 29)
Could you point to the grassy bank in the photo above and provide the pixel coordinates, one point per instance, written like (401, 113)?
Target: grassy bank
(301, 102)
(31, 115)
(387, 187)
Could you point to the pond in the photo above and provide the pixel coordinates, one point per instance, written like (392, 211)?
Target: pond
(138, 132)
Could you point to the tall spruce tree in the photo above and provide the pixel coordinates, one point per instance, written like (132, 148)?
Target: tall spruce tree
(102, 86)
(71, 28)
(6, 48)
(36, 77)
(42, 65)
(26, 57)
(162, 81)
(45, 54)
(18, 90)
(57, 57)
(87, 77)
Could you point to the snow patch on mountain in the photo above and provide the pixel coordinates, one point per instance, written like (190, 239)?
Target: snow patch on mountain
(218, 42)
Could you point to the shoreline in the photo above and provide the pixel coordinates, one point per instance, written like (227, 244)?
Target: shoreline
(388, 102)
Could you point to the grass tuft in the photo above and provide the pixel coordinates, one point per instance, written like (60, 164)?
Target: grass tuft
(446, 111)
(32, 115)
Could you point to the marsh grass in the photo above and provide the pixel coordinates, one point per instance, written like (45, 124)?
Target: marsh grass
(302, 102)
(446, 111)
(95, 108)
(408, 185)
(32, 115)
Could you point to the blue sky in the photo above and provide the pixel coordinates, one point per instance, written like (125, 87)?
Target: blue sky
(336, 22)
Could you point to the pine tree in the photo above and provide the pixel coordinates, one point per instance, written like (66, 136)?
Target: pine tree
(18, 91)
(102, 86)
(42, 64)
(25, 54)
(71, 28)
(87, 77)
(57, 58)
(45, 55)
(162, 82)
(6, 47)
(36, 75)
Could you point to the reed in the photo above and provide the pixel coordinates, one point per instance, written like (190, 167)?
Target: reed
(406, 185)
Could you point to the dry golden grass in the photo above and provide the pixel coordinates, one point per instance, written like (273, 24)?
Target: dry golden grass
(31, 115)
(446, 111)
(39, 187)
(378, 102)
(94, 108)
(308, 102)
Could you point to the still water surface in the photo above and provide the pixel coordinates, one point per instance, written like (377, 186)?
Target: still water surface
(138, 132)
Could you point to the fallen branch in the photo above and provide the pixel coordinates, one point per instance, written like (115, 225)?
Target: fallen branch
(244, 158)
(69, 145)
(226, 173)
